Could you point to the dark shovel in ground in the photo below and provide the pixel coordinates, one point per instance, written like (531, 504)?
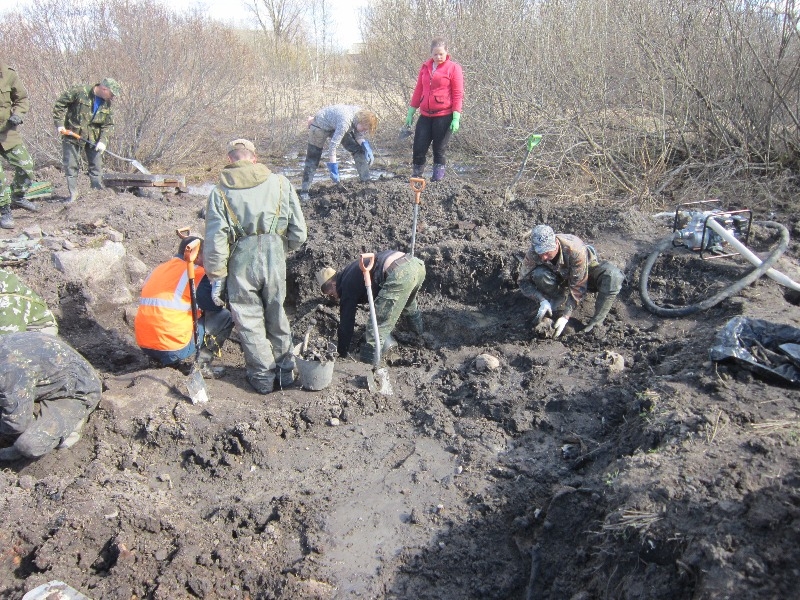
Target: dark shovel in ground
(417, 186)
(532, 141)
(139, 166)
(195, 384)
(378, 380)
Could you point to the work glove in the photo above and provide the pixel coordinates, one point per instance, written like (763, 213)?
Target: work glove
(545, 310)
(456, 122)
(558, 328)
(61, 130)
(100, 147)
(334, 169)
(15, 120)
(368, 152)
(410, 116)
(217, 289)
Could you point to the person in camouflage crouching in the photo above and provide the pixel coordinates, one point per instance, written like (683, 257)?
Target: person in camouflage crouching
(21, 309)
(85, 110)
(557, 272)
(13, 105)
(47, 391)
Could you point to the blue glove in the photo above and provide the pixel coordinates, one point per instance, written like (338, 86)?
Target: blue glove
(334, 169)
(368, 152)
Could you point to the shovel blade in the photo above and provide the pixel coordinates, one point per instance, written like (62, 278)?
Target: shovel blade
(404, 133)
(140, 167)
(378, 382)
(196, 386)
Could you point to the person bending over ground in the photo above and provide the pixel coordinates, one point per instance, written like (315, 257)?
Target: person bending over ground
(396, 279)
(557, 272)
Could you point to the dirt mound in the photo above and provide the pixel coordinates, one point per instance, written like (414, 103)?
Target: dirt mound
(620, 463)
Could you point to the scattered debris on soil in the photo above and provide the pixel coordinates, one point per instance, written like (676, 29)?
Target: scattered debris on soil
(621, 463)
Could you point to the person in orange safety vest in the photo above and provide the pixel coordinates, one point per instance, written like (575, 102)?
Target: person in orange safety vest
(163, 323)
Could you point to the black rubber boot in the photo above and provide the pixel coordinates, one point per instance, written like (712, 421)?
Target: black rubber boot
(417, 170)
(602, 306)
(97, 183)
(6, 220)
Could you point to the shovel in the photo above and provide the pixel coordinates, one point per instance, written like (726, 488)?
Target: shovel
(405, 131)
(417, 185)
(379, 380)
(139, 166)
(195, 383)
(531, 143)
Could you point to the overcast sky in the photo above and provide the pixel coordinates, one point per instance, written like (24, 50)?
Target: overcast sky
(345, 14)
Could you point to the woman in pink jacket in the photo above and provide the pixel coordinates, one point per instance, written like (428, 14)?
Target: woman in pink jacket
(438, 95)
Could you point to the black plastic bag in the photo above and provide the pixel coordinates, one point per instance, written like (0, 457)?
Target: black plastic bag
(768, 349)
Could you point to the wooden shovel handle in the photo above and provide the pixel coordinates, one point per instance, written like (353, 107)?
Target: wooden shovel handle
(190, 255)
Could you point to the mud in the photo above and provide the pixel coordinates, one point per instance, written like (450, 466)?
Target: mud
(621, 463)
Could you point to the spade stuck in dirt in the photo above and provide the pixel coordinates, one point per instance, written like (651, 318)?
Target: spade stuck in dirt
(378, 380)
(532, 141)
(195, 383)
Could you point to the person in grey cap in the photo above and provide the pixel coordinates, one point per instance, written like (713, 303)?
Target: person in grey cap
(253, 218)
(557, 272)
(86, 111)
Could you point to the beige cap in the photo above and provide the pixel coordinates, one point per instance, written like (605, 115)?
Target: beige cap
(324, 274)
(241, 143)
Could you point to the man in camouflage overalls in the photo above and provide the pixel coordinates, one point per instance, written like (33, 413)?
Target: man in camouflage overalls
(47, 391)
(253, 218)
(21, 309)
(86, 111)
(561, 268)
(13, 104)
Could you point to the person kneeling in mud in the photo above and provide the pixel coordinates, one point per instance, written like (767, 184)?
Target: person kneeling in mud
(396, 279)
(557, 272)
(47, 391)
(163, 324)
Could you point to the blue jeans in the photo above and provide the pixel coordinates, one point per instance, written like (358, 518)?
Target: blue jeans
(169, 357)
(213, 328)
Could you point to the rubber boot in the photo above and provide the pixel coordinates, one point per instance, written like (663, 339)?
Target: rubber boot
(438, 172)
(204, 361)
(417, 170)
(284, 379)
(97, 183)
(362, 166)
(22, 202)
(389, 347)
(602, 306)
(6, 220)
(72, 186)
(416, 324)
(313, 156)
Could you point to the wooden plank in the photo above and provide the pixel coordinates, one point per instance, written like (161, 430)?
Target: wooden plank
(143, 180)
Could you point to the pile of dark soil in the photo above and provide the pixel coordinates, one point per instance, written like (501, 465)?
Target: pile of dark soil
(616, 464)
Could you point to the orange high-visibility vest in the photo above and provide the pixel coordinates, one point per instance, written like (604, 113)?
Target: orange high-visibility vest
(164, 318)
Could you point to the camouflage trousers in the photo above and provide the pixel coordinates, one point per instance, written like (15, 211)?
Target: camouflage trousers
(398, 297)
(22, 163)
(71, 154)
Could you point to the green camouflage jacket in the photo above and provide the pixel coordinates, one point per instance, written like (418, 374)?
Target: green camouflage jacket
(21, 308)
(73, 110)
(13, 101)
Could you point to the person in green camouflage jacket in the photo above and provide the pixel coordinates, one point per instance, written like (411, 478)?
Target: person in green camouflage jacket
(47, 391)
(13, 105)
(85, 110)
(21, 309)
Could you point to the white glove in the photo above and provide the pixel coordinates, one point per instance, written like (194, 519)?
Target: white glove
(217, 288)
(559, 326)
(544, 310)
(61, 130)
(100, 147)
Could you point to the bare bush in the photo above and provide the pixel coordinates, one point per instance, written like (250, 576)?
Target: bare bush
(634, 95)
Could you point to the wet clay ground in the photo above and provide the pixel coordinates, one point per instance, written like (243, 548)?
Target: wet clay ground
(616, 464)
